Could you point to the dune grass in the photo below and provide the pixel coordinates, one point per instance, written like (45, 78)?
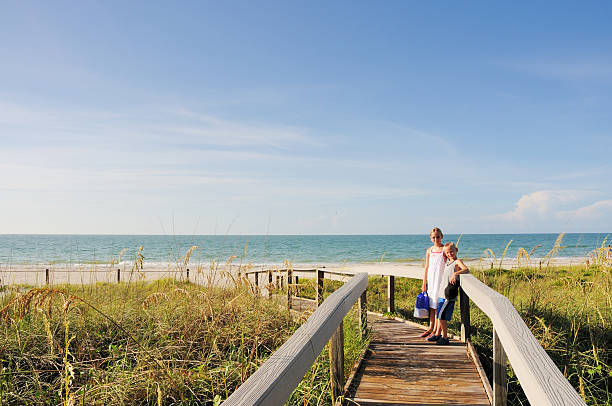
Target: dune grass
(164, 342)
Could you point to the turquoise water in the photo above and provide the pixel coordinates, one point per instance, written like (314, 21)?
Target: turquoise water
(313, 249)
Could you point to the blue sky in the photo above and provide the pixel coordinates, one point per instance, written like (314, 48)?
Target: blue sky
(305, 117)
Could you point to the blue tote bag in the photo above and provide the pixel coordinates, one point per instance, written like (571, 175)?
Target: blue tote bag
(421, 309)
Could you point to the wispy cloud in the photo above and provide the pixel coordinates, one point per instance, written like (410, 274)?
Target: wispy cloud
(153, 126)
(420, 138)
(209, 129)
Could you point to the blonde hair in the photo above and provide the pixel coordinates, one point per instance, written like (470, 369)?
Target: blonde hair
(451, 246)
(436, 230)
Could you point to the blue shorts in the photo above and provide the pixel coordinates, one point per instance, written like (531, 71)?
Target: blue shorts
(445, 309)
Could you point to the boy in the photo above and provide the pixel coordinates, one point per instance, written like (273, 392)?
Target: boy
(447, 292)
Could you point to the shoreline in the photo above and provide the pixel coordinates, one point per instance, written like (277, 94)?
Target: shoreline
(219, 274)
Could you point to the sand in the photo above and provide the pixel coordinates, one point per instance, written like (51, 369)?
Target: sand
(85, 274)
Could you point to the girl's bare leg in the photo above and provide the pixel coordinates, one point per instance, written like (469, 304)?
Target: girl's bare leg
(432, 320)
(432, 323)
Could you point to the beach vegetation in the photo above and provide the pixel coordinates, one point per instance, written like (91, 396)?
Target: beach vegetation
(165, 342)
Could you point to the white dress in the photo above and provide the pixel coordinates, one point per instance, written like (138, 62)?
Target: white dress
(434, 274)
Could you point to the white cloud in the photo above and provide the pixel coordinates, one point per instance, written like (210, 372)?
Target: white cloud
(539, 205)
(547, 210)
(594, 211)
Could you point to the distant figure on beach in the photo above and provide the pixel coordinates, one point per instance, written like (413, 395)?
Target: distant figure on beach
(447, 293)
(434, 265)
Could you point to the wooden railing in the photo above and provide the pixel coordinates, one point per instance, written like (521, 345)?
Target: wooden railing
(49, 272)
(275, 380)
(540, 378)
(538, 375)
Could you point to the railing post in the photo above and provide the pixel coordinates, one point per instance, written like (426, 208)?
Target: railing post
(319, 287)
(390, 294)
(256, 282)
(289, 288)
(269, 284)
(363, 314)
(464, 304)
(500, 373)
(118, 275)
(187, 274)
(47, 276)
(336, 362)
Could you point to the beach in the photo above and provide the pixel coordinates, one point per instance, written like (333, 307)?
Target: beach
(221, 274)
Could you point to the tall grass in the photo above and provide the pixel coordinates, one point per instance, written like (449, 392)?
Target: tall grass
(164, 342)
(167, 341)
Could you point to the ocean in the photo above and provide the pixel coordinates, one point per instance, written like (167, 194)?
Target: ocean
(30, 249)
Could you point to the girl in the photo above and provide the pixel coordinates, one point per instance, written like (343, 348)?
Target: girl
(434, 265)
(447, 293)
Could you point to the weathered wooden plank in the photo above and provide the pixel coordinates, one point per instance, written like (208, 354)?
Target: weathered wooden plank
(319, 286)
(336, 362)
(289, 287)
(540, 378)
(464, 308)
(390, 294)
(500, 372)
(402, 368)
(481, 371)
(274, 381)
(363, 314)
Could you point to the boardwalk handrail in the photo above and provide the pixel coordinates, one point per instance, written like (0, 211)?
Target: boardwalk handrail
(538, 375)
(275, 380)
(540, 378)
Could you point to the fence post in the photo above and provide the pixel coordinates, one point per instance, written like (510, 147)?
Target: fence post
(320, 276)
(47, 276)
(390, 294)
(363, 314)
(289, 286)
(464, 304)
(500, 373)
(187, 274)
(118, 275)
(269, 284)
(336, 362)
(256, 282)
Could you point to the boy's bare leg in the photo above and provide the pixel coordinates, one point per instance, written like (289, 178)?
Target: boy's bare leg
(443, 328)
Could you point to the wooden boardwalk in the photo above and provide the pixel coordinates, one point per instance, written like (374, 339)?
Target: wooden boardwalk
(400, 368)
